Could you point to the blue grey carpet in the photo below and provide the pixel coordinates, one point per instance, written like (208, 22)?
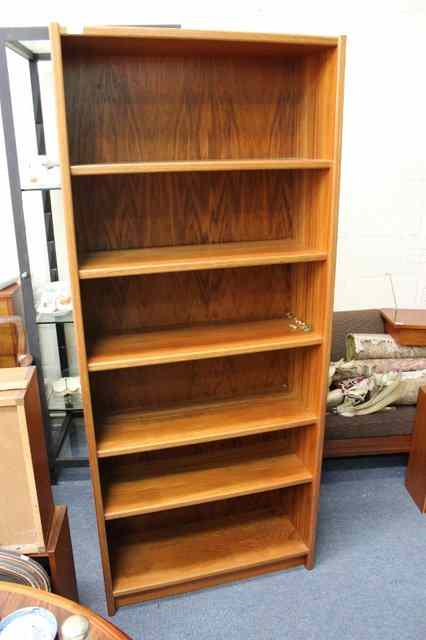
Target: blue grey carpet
(369, 581)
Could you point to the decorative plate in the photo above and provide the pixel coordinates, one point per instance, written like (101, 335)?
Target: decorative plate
(30, 623)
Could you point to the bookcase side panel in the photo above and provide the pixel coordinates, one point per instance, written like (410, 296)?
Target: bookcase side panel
(336, 67)
(55, 38)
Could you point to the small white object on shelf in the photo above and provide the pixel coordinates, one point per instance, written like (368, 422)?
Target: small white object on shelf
(67, 386)
(54, 298)
(40, 172)
(75, 628)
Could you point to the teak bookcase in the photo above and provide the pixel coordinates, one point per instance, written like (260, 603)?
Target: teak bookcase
(200, 176)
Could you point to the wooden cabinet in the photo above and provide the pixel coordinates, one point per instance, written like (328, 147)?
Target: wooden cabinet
(415, 479)
(406, 326)
(31, 524)
(200, 175)
(26, 498)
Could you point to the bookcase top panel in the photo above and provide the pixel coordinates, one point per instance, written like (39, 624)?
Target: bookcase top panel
(182, 41)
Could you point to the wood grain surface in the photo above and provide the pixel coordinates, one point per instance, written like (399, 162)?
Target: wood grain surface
(343, 448)
(147, 34)
(72, 254)
(198, 381)
(135, 431)
(415, 480)
(139, 211)
(331, 93)
(9, 306)
(13, 597)
(206, 548)
(407, 326)
(122, 350)
(190, 166)
(107, 264)
(26, 495)
(185, 299)
(182, 140)
(126, 108)
(160, 480)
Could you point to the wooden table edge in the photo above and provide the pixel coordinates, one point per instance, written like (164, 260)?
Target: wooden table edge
(95, 619)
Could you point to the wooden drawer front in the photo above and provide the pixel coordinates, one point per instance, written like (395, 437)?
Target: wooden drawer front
(8, 338)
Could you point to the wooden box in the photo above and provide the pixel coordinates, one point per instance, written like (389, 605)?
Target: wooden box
(26, 502)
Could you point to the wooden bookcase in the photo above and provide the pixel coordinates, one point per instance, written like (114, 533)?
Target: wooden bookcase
(200, 177)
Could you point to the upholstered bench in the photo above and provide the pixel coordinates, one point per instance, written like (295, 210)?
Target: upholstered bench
(388, 431)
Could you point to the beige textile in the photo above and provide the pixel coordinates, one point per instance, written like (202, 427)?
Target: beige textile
(365, 346)
(410, 385)
(371, 394)
(344, 370)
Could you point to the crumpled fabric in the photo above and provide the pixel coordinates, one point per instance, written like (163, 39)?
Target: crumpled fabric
(411, 382)
(362, 395)
(369, 395)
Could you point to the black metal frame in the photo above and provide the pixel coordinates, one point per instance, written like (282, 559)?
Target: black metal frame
(10, 38)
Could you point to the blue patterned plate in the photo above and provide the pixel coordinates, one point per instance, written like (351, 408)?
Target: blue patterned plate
(30, 623)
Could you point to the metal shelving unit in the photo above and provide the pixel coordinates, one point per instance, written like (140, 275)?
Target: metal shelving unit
(61, 415)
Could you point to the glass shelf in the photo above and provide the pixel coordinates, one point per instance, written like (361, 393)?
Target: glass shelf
(51, 318)
(65, 404)
(74, 446)
(43, 187)
(69, 444)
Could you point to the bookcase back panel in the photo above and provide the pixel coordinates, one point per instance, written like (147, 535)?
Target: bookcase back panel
(279, 441)
(297, 502)
(119, 305)
(173, 460)
(145, 107)
(169, 209)
(141, 526)
(142, 44)
(210, 380)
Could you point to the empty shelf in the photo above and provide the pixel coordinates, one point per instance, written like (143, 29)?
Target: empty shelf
(134, 488)
(106, 264)
(181, 553)
(198, 165)
(212, 341)
(138, 431)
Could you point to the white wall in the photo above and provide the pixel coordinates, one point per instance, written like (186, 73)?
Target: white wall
(383, 196)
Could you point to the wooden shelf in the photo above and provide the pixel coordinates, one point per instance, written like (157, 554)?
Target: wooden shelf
(193, 551)
(198, 165)
(212, 341)
(135, 489)
(107, 264)
(138, 431)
